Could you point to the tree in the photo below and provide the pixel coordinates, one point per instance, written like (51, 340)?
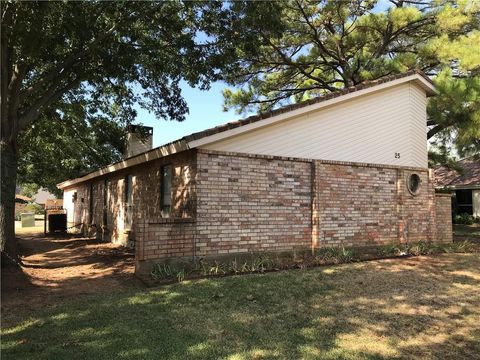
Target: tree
(64, 145)
(294, 50)
(63, 60)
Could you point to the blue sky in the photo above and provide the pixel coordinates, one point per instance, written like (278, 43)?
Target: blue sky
(205, 109)
(205, 112)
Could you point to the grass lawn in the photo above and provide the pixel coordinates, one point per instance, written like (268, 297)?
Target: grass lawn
(420, 308)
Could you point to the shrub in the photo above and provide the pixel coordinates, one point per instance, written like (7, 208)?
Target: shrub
(171, 271)
(162, 271)
(460, 247)
(421, 248)
(336, 254)
(258, 263)
(464, 219)
(394, 250)
(35, 208)
(28, 208)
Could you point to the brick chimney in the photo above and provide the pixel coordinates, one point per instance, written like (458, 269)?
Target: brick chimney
(139, 140)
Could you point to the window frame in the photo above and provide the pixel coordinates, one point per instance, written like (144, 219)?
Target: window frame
(128, 200)
(105, 200)
(165, 209)
(417, 182)
(91, 204)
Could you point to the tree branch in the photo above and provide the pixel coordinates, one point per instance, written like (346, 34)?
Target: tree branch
(49, 98)
(435, 130)
(61, 69)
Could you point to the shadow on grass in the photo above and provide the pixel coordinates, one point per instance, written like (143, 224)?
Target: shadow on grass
(425, 307)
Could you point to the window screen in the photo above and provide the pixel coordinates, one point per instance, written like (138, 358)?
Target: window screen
(128, 201)
(105, 201)
(464, 201)
(91, 203)
(166, 190)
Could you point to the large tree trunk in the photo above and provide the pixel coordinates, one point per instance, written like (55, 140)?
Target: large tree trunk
(8, 168)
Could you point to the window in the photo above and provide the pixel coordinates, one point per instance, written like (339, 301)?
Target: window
(91, 204)
(464, 201)
(105, 201)
(413, 184)
(166, 190)
(128, 201)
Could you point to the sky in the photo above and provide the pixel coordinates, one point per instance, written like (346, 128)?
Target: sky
(205, 112)
(205, 109)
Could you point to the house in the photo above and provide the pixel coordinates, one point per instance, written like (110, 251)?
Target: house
(42, 196)
(346, 169)
(463, 183)
(21, 202)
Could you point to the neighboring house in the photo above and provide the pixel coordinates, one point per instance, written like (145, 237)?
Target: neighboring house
(42, 196)
(464, 184)
(346, 169)
(21, 202)
(22, 199)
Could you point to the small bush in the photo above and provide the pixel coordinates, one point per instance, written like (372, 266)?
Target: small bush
(335, 255)
(464, 219)
(394, 250)
(35, 208)
(162, 271)
(420, 248)
(181, 274)
(258, 263)
(170, 271)
(28, 208)
(460, 247)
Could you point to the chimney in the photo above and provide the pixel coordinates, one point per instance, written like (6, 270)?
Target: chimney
(139, 140)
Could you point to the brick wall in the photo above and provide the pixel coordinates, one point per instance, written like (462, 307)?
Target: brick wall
(251, 203)
(167, 238)
(356, 205)
(362, 204)
(146, 184)
(417, 221)
(443, 206)
(228, 203)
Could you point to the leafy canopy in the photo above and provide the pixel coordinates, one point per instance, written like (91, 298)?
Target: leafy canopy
(294, 50)
(73, 74)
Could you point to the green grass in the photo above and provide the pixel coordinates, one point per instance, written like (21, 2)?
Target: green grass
(424, 307)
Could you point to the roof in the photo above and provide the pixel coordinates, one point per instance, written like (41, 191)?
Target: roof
(235, 127)
(288, 108)
(22, 198)
(467, 178)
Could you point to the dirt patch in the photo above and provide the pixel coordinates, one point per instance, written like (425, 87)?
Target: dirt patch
(56, 269)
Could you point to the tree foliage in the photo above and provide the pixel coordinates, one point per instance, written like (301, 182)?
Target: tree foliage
(63, 145)
(294, 50)
(73, 72)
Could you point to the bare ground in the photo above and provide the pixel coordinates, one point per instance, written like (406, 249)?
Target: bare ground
(55, 269)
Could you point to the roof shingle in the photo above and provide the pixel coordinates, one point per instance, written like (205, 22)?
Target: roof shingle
(287, 108)
(445, 177)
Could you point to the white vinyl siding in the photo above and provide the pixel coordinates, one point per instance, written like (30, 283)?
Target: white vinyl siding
(371, 128)
(68, 204)
(476, 203)
(418, 126)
